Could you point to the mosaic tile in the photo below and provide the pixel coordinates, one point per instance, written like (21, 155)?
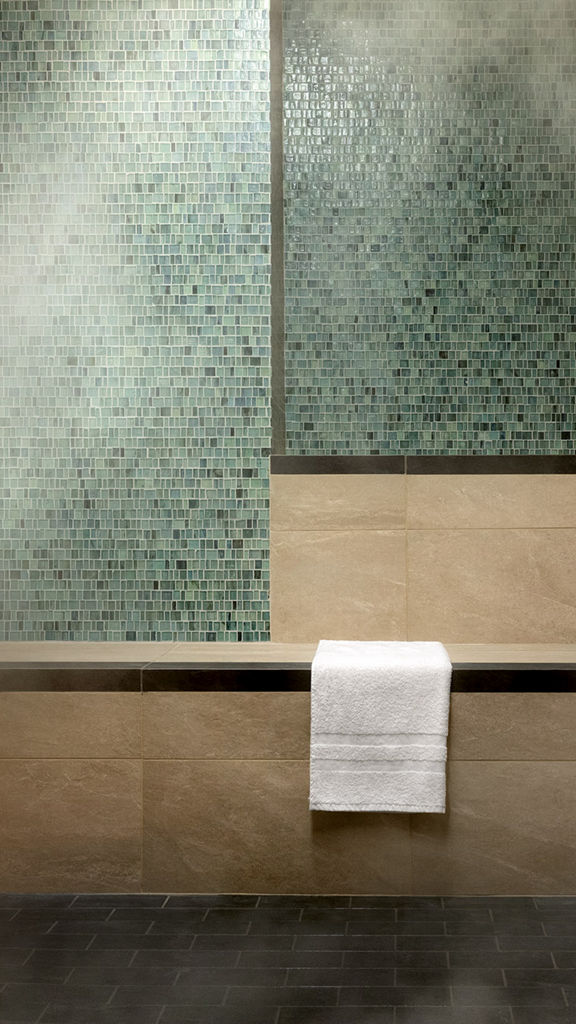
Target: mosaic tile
(429, 183)
(134, 316)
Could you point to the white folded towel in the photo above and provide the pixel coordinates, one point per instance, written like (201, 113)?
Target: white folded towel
(379, 726)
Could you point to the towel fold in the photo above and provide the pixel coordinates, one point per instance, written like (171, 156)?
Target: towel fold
(379, 726)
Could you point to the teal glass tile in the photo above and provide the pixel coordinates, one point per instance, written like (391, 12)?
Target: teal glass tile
(134, 309)
(429, 183)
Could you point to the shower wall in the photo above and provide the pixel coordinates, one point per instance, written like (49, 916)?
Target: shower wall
(429, 161)
(134, 305)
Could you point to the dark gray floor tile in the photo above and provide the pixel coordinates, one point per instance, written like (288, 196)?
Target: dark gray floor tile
(59, 1013)
(382, 958)
(470, 943)
(344, 942)
(138, 995)
(338, 1015)
(450, 976)
(217, 1015)
(10, 957)
(535, 1015)
(26, 899)
(428, 995)
(232, 976)
(180, 917)
(570, 995)
(243, 942)
(114, 899)
(511, 958)
(498, 902)
(556, 902)
(18, 1000)
(188, 958)
(559, 927)
(316, 959)
(391, 902)
(542, 995)
(211, 900)
(50, 915)
(34, 973)
(376, 921)
(123, 976)
(283, 921)
(115, 940)
(547, 942)
(227, 922)
(562, 958)
(257, 998)
(64, 927)
(531, 976)
(445, 1015)
(432, 926)
(69, 958)
(322, 902)
(341, 976)
(50, 941)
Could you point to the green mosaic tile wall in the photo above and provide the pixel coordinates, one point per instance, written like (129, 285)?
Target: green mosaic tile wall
(430, 156)
(134, 313)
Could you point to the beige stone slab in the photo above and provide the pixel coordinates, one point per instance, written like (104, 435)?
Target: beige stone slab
(544, 654)
(510, 830)
(70, 725)
(80, 651)
(257, 652)
(513, 726)
(338, 585)
(494, 586)
(479, 502)
(70, 825)
(337, 502)
(245, 826)
(226, 725)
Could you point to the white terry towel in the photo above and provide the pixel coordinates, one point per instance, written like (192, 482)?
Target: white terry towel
(379, 726)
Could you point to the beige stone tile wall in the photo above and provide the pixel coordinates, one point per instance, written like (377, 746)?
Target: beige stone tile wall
(464, 559)
(219, 800)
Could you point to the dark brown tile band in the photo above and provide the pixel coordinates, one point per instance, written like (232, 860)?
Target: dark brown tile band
(490, 464)
(247, 679)
(423, 464)
(345, 464)
(70, 678)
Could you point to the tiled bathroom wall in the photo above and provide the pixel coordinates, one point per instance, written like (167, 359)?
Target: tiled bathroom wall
(134, 319)
(429, 195)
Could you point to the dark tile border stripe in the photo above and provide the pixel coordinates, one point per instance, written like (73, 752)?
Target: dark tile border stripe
(424, 465)
(352, 464)
(490, 464)
(246, 678)
(70, 678)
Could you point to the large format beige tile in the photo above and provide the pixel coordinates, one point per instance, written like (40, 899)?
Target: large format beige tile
(226, 725)
(82, 651)
(481, 502)
(512, 726)
(491, 586)
(510, 829)
(338, 585)
(245, 826)
(70, 724)
(70, 825)
(337, 502)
